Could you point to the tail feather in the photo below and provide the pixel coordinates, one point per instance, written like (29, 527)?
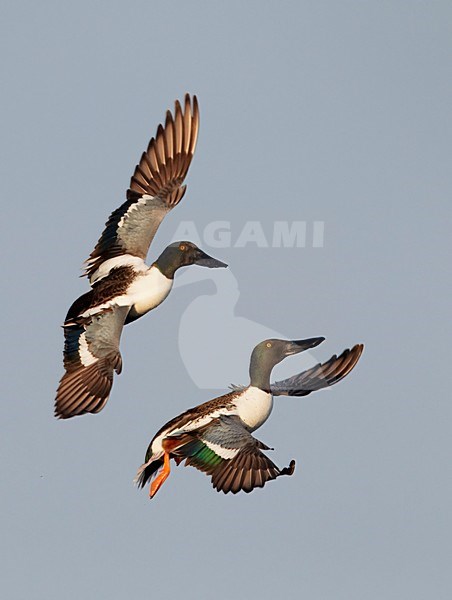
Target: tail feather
(147, 471)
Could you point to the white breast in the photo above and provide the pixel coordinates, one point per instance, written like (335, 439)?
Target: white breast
(254, 407)
(148, 291)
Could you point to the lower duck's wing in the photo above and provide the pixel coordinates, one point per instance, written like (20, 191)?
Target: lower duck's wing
(91, 355)
(228, 452)
(320, 376)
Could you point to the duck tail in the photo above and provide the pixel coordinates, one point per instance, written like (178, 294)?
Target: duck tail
(147, 471)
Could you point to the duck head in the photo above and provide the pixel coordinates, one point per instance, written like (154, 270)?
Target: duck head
(270, 352)
(184, 254)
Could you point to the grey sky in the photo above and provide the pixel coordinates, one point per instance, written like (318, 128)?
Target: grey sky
(312, 111)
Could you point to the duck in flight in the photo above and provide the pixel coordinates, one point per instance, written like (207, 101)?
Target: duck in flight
(215, 437)
(124, 288)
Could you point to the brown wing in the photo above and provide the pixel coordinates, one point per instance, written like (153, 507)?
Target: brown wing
(91, 355)
(228, 452)
(320, 376)
(155, 188)
(248, 470)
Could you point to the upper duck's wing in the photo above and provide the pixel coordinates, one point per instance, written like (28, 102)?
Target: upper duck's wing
(155, 188)
(91, 354)
(320, 376)
(227, 451)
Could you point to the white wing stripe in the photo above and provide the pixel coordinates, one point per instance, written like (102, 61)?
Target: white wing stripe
(86, 358)
(123, 300)
(133, 207)
(125, 260)
(223, 452)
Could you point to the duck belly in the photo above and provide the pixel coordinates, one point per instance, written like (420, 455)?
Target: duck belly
(147, 292)
(254, 407)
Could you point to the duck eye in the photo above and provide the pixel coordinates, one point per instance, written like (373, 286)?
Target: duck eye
(182, 247)
(268, 345)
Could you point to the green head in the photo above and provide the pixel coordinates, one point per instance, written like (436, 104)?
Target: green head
(269, 353)
(183, 254)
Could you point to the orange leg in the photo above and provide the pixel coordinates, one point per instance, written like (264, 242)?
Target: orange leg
(161, 477)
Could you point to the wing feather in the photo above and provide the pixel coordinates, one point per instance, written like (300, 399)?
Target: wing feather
(155, 188)
(320, 376)
(206, 449)
(91, 356)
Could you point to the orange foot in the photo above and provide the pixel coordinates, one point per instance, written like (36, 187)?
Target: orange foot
(161, 477)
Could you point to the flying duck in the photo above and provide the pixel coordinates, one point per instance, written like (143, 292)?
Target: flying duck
(124, 288)
(215, 437)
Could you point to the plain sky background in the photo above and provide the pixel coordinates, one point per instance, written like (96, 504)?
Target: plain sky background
(314, 111)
